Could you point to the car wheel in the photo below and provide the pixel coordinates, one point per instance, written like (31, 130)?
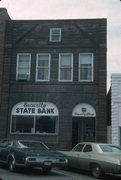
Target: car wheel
(46, 169)
(12, 164)
(96, 171)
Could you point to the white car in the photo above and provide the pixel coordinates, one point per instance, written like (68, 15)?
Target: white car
(98, 158)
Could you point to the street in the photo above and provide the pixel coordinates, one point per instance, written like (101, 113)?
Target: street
(56, 174)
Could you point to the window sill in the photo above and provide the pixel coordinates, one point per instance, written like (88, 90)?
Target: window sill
(35, 134)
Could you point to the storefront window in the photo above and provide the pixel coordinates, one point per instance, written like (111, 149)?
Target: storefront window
(34, 118)
(45, 124)
(22, 124)
(29, 124)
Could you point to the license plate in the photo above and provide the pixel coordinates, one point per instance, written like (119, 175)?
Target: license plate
(47, 163)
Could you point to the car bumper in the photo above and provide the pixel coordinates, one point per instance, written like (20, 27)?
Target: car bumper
(42, 162)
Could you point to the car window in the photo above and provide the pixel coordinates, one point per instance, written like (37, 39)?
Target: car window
(33, 144)
(16, 144)
(10, 143)
(78, 147)
(4, 143)
(87, 148)
(110, 148)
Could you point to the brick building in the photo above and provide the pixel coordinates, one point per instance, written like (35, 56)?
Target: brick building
(54, 83)
(3, 17)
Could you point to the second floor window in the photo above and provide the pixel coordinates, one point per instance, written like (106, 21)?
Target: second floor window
(55, 34)
(65, 67)
(23, 66)
(85, 67)
(43, 67)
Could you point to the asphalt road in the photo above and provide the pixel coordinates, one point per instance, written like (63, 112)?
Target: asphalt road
(56, 174)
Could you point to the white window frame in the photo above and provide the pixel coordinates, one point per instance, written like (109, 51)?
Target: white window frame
(59, 75)
(92, 75)
(33, 128)
(17, 66)
(51, 34)
(49, 59)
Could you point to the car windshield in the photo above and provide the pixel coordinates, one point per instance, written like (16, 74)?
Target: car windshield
(110, 148)
(33, 144)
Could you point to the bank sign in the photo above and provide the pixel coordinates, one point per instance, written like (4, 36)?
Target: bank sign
(84, 110)
(35, 108)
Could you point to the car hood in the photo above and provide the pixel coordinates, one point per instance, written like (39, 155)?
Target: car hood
(39, 152)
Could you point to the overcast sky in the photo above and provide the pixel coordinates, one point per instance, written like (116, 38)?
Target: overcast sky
(76, 9)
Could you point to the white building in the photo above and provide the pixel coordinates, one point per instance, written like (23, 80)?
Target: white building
(116, 108)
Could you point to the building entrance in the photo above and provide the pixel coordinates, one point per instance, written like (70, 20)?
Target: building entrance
(83, 129)
(83, 123)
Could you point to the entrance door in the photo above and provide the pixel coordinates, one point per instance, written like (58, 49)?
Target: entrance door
(89, 129)
(83, 130)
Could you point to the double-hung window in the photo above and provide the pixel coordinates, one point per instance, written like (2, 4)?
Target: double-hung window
(55, 34)
(23, 66)
(43, 67)
(86, 67)
(65, 67)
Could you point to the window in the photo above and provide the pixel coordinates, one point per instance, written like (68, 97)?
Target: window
(87, 148)
(46, 124)
(43, 67)
(85, 67)
(65, 67)
(4, 143)
(55, 35)
(34, 124)
(23, 66)
(34, 118)
(22, 124)
(110, 148)
(78, 147)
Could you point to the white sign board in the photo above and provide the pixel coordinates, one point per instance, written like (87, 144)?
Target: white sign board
(83, 110)
(35, 108)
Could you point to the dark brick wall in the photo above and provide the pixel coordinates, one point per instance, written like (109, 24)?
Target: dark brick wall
(85, 35)
(3, 17)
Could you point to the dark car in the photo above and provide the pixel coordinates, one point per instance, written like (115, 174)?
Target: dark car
(29, 153)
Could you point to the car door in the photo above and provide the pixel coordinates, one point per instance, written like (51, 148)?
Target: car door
(75, 154)
(84, 157)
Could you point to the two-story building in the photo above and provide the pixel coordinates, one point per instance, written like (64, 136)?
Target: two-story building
(54, 83)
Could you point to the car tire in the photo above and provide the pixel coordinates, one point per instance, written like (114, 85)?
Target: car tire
(96, 171)
(12, 164)
(46, 169)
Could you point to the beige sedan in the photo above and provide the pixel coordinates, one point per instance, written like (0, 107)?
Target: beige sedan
(96, 157)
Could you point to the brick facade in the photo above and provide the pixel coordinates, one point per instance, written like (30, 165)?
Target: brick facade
(78, 36)
(3, 17)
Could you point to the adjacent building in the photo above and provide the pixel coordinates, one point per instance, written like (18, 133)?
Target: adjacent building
(116, 108)
(54, 81)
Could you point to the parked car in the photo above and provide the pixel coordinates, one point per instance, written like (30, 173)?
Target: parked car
(95, 157)
(29, 153)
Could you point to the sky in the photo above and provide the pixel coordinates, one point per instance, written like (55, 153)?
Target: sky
(76, 9)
